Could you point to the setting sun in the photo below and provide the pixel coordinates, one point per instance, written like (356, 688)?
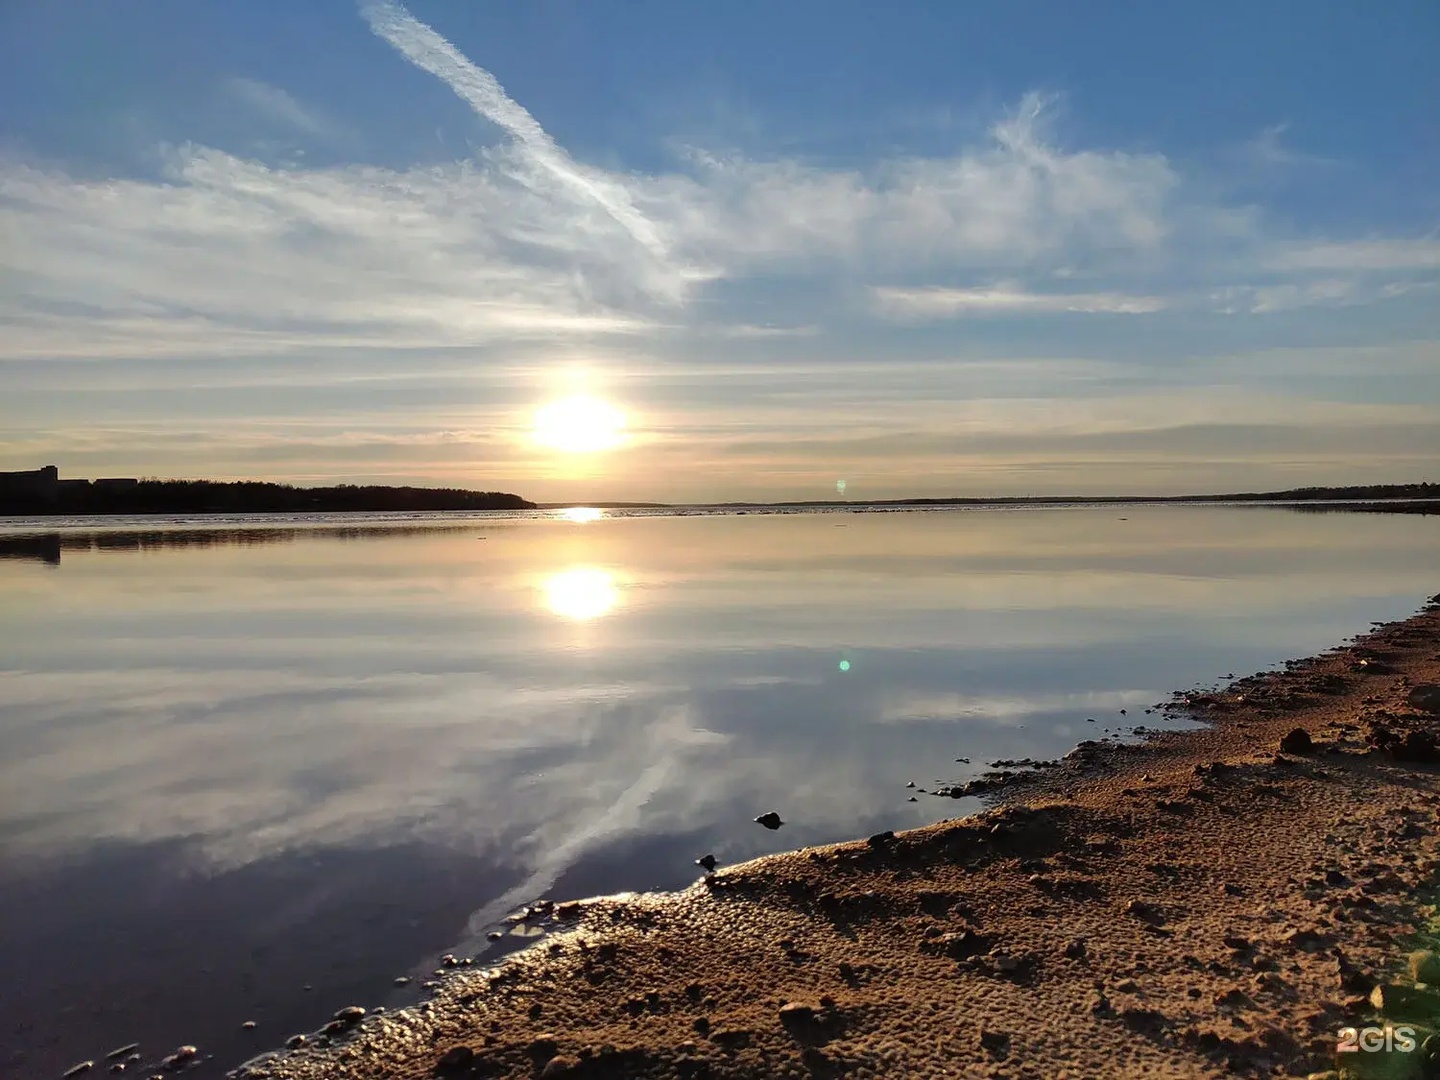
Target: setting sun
(579, 425)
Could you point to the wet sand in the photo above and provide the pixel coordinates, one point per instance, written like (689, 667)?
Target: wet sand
(1195, 905)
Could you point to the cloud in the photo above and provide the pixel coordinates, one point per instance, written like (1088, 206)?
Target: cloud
(1373, 255)
(927, 303)
(278, 105)
(427, 50)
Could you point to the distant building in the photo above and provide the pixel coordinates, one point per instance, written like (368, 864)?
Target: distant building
(43, 482)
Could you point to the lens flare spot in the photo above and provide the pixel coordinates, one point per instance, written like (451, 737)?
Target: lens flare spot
(844, 665)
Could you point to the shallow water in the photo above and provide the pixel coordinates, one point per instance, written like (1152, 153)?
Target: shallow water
(245, 758)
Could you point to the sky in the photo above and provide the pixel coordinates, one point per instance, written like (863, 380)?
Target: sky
(684, 252)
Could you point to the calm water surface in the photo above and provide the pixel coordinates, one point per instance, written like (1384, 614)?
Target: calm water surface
(257, 771)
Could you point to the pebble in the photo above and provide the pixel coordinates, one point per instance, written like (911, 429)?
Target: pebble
(402, 980)
(76, 1070)
(248, 1025)
(122, 1051)
(770, 819)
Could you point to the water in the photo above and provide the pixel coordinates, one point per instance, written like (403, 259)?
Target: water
(241, 758)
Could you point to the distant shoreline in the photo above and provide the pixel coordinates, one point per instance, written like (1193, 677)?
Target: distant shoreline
(82, 498)
(1359, 494)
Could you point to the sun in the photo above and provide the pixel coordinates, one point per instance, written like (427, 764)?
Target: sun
(579, 425)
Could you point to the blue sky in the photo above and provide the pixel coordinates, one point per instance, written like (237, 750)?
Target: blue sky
(931, 249)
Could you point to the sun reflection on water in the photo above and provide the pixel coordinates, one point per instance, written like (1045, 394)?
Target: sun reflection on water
(581, 593)
(581, 514)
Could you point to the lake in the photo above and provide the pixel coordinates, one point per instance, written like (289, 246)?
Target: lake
(257, 769)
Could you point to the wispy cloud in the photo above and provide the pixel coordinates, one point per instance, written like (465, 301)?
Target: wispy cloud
(931, 303)
(1376, 254)
(278, 105)
(430, 52)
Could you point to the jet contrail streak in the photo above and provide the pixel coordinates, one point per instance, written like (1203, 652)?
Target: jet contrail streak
(430, 52)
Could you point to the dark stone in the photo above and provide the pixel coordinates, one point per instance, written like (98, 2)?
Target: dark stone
(1297, 741)
(76, 1070)
(182, 1057)
(1405, 1002)
(457, 1057)
(771, 820)
(1424, 966)
(707, 862)
(996, 1042)
(1416, 746)
(1426, 698)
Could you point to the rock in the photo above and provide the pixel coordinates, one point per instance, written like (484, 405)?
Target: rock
(494, 935)
(1304, 940)
(457, 1057)
(796, 1014)
(558, 1066)
(402, 980)
(1075, 950)
(1426, 698)
(248, 1025)
(702, 1025)
(122, 1051)
(544, 1046)
(1297, 741)
(351, 1014)
(771, 820)
(880, 839)
(1236, 942)
(962, 945)
(706, 862)
(295, 1042)
(77, 1069)
(1405, 1002)
(994, 1042)
(1415, 746)
(1424, 966)
(1144, 912)
(1128, 986)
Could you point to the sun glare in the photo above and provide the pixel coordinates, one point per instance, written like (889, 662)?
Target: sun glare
(582, 515)
(579, 425)
(582, 593)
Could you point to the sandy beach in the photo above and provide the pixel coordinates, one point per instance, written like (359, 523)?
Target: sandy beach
(1196, 904)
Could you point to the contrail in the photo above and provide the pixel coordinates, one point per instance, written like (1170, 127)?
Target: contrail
(430, 52)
